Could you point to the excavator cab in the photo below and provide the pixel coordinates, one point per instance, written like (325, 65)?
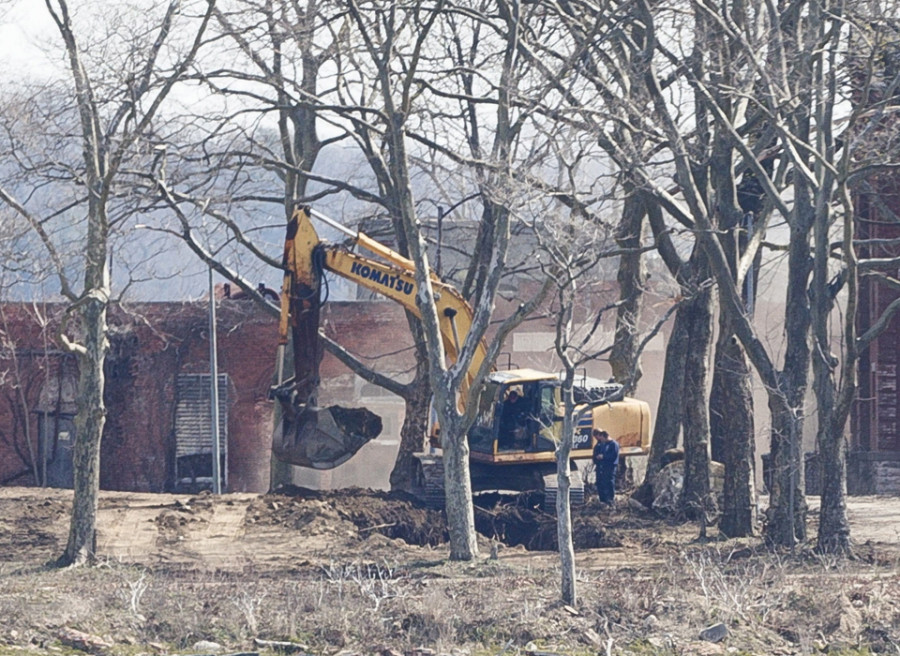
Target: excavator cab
(516, 415)
(520, 417)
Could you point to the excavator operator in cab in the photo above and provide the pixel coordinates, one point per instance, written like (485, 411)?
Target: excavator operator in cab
(513, 421)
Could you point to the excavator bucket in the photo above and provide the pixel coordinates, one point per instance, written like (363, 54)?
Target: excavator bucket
(306, 435)
(323, 438)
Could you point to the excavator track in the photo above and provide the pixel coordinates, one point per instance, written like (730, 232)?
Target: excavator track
(429, 483)
(551, 489)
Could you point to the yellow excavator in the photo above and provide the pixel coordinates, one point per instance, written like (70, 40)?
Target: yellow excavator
(519, 416)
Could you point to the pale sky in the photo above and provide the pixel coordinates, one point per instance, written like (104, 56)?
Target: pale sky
(25, 26)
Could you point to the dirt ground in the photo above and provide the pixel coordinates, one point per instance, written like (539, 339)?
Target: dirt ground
(281, 531)
(359, 572)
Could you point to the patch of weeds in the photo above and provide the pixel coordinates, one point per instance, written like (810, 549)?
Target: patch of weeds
(802, 603)
(643, 647)
(541, 645)
(486, 634)
(851, 651)
(490, 569)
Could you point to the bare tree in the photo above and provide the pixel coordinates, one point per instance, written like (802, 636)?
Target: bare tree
(736, 63)
(387, 42)
(846, 167)
(571, 267)
(112, 113)
(396, 102)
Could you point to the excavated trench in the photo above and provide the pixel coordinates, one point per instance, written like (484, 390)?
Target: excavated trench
(512, 520)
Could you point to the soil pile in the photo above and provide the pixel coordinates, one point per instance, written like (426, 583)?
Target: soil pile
(512, 520)
(392, 514)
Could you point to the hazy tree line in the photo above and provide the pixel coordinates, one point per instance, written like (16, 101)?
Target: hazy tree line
(705, 133)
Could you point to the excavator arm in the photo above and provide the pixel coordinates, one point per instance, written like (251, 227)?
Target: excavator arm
(324, 438)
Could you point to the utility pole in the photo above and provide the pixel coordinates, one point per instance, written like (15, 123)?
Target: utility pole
(214, 390)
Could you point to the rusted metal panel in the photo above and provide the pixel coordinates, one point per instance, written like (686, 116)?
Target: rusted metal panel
(193, 428)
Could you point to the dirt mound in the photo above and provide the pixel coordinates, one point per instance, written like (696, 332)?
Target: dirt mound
(391, 514)
(512, 520)
(519, 520)
(32, 525)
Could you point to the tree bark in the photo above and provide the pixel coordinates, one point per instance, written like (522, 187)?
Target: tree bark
(568, 586)
(412, 433)
(787, 505)
(670, 411)
(567, 295)
(696, 419)
(834, 526)
(91, 416)
(623, 358)
(458, 490)
(731, 426)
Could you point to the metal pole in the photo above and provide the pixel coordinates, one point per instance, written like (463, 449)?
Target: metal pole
(440, 237)
(334, 224)
(214, 390)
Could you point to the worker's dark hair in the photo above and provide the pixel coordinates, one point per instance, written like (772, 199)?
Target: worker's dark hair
(598, 432)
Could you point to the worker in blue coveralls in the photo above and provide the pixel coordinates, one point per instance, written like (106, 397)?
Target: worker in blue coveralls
(606, 461)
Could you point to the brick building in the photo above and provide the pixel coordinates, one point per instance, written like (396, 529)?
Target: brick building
(157, 434)
(158, 391)
(158, 427)
(874, 459)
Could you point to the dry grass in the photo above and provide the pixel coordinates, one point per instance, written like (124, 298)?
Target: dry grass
(769, 603)
(371, 593)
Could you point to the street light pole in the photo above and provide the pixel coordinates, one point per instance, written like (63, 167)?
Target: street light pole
(214, 390)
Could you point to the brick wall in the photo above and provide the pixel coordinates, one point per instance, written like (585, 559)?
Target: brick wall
(151, 344)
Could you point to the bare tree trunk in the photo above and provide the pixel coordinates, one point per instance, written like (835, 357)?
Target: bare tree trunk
(458, 491)
(834, 527)
(568, 587)
(731, 426)
(670, 411)
(623, 358)
(696, 403)
(731, 398)
(833, 404)
(412, 433)
(91, 416)
(787, 505)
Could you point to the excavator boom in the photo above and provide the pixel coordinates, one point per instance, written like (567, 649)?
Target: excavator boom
(306, 435)
(310, 436)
